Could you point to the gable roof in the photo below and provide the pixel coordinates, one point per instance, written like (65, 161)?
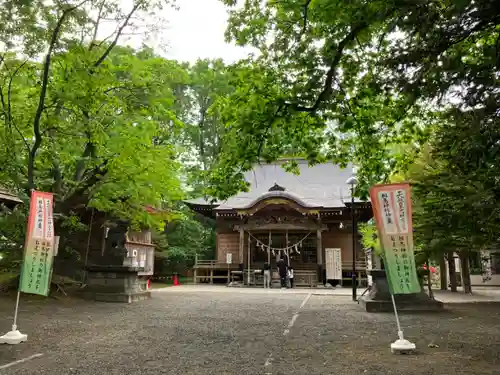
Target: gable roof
(8, 197)
(321, 185)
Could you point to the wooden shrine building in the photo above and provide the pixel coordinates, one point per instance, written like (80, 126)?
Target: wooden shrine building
(297, 217)
(8, 199)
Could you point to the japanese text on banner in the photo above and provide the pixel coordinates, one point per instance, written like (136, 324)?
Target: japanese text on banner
(39, 248)
(392, 209)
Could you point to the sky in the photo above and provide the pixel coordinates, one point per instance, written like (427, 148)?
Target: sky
(194, 31)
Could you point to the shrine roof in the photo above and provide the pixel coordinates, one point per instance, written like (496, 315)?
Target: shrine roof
(6, 196)
(318, 186)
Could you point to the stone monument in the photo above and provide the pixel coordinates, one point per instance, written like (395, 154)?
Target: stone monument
(378, 298)
(119, 274)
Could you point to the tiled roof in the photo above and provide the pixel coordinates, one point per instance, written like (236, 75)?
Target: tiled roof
(322, 185)
(6, 196)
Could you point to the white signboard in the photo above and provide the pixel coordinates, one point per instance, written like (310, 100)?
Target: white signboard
(386, 207)
(333, 264)
(38, 231)
(229, 258)
(56, 245)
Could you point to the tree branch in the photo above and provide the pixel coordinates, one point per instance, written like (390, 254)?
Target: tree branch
(2, 97)
(330, 74)
(9, 90)
(98, 20)
(89, 151)
(118, 34)
(267, 129)
(97, 174)
(43, 94)
(304, 17)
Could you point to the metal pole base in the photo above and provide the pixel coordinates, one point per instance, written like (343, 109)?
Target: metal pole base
(13, 337)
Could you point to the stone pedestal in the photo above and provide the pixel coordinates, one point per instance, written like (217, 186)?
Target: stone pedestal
(115, 284)
(118, 274)
(379, 297)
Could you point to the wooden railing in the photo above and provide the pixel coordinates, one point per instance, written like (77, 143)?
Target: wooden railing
(346, 265)
(206, 262)
(214, 264)
(360, 265)
(305, 278)
(302, 278)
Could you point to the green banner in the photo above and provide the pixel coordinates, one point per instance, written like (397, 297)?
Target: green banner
(36, 270)
(393, 214)
(399, 261)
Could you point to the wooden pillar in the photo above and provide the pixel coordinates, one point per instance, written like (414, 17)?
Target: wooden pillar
(319, 254)
(286, 244)
(195, 270)
(248, 258)
(319, 247)
(211, 276)
(242, 244)
(269, 248)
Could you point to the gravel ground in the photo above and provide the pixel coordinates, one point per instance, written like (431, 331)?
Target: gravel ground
(243, 333)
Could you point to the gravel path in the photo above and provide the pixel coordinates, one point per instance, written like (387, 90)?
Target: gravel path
(245, 333)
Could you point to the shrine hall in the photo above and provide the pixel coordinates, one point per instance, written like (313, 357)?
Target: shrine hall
(305, 219)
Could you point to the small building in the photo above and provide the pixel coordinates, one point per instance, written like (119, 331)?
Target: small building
(484, 266)
(301, 218)
(8, 199)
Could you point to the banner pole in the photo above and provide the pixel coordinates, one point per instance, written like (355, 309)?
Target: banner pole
(14, 336)
(400, 331)
(14, 325)
(401, 345)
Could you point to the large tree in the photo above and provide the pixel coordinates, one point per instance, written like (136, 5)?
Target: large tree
(91, 121)
(86, 118)
(345, 81)
(456, 188)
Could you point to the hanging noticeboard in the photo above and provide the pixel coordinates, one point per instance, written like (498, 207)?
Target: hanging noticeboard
(229, 258)
(333, 259)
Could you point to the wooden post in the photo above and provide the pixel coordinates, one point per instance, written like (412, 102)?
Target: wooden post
(319, 254)
(249, 243)
(195, 273)
(319, 247)
(286, 241)
(242, 244)
(269, 249)
(211, 276)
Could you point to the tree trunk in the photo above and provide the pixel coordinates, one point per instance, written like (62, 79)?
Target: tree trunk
(452, 271)
(442, 273)
(464, 265)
